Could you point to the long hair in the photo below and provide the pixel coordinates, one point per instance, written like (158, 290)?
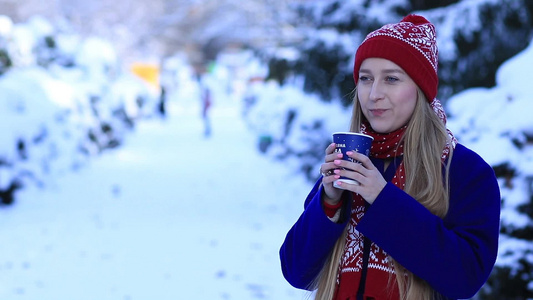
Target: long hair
(424, 141)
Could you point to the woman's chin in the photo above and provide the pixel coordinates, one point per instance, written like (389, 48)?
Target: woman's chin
(381, 128)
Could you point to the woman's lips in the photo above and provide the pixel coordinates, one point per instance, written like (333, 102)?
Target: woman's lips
(377, 112)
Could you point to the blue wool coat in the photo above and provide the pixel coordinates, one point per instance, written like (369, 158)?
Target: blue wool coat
(455, 255)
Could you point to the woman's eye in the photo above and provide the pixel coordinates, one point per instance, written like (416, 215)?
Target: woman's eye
(364, 78)
(391, 79)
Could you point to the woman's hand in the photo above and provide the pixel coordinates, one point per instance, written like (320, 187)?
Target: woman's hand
(332, 195)
(371, 182)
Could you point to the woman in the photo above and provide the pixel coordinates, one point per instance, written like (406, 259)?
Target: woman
(423, 223)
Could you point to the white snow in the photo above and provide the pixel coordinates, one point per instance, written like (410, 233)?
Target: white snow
(170, 215)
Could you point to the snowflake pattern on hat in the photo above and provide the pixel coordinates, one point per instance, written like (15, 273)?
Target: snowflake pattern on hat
(411, 44)
(421, 37)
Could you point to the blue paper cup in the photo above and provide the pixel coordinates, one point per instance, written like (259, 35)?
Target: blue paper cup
(351, 141)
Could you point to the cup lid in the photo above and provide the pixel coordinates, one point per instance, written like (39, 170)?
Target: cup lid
(354, 133)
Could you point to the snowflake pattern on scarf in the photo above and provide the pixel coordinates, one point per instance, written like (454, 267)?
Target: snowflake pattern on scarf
(352, 259)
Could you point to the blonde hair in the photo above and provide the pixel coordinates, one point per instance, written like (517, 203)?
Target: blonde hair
(424, 141)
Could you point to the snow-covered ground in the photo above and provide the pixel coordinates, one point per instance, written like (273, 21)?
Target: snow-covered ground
(169, 215)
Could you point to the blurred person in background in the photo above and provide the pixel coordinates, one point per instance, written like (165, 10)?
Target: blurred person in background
(206, 104)
(423, 222)
(205, 99)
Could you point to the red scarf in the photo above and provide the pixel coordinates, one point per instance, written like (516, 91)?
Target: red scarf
(388, 145)
(380, 269)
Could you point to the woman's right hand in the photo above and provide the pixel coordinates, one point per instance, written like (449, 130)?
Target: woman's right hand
(332, 195)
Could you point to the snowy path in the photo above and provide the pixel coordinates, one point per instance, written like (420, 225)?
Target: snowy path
(169, 215)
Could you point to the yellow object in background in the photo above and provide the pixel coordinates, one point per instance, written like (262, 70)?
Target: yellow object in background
(148, 72)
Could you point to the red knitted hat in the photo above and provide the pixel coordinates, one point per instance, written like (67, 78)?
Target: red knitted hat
(411, 44)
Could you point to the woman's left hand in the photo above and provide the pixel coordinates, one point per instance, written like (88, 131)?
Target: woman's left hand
(371, 182)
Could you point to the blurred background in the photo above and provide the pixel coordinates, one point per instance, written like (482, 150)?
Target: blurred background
(109, 111)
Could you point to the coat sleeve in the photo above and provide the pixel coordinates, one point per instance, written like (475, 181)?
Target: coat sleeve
(310, 240)
(455, 255)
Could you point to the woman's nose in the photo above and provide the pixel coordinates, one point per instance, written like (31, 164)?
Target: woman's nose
(376, 92)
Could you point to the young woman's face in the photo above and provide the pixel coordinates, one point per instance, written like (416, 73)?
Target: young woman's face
(386, 93)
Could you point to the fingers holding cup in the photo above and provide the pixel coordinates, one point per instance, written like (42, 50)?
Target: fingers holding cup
(326, 169)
